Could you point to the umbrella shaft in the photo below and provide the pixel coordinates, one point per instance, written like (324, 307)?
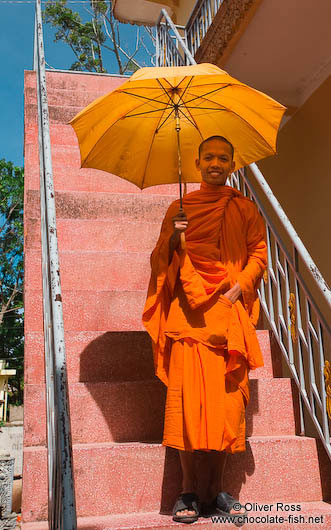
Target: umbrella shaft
(179, 160)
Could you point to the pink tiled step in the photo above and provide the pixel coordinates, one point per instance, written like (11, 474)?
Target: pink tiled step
(67, 81)
(97, 235)
(94, 180)
(156, 521)
(94, 270)
(101, 356)
(91, 311)
(102, 412)
(133, 411)
(70, 97)
(82, 205)
(57, 114)
(147, 474)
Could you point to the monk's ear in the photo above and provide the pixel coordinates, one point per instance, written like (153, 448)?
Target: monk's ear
(233, 165)
(197, 164)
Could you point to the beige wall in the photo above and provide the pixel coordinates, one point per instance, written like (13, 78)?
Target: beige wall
(300, 174)
(183, 11)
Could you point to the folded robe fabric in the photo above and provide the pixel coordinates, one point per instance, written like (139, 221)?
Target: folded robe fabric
(225, 244)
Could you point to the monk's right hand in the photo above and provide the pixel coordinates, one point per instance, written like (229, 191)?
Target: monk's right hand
(180, 222)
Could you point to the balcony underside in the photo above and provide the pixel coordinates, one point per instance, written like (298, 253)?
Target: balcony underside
(282, 49)
(142, 12)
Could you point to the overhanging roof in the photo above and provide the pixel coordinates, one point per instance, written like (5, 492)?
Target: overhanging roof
(141, 12)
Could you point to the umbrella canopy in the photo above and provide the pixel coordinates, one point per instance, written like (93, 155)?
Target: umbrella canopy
(132, 132)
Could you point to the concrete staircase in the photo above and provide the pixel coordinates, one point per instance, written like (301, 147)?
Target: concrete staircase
(124, 476)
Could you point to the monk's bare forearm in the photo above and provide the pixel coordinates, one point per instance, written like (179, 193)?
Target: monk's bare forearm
(173, 244)
(233, 293)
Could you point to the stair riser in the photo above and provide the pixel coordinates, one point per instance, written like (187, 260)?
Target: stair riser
(82, 205)
(65, 98)
(76, 82)
(106, 356)
(133, 411)
(96, 235)
(94, 271)
(93, 180)
(112, 412)
(133, 478)
(56, 114)
(90, 311)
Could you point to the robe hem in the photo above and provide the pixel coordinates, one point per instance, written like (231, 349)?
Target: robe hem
(181, 448)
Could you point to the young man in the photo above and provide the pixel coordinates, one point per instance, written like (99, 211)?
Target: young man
(201, 310)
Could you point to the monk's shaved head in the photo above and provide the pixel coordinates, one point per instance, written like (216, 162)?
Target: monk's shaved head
(221, 139)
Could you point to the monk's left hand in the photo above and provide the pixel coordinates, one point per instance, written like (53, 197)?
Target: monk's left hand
(233, 293)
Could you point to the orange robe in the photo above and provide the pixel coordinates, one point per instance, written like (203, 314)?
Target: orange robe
(203, 344)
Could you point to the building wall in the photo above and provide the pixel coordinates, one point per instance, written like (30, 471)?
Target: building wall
(183, 11)
(299, 174)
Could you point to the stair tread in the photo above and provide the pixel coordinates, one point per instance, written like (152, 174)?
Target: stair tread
(146, 520)
(158, 444)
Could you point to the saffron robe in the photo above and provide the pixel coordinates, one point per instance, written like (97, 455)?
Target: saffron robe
(204, 345)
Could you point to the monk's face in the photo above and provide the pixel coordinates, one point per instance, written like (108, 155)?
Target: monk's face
(215, 162)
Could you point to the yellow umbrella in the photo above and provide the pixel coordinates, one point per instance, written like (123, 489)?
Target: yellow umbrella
(133, 132)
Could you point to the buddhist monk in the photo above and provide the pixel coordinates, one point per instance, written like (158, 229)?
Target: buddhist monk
(201, 312)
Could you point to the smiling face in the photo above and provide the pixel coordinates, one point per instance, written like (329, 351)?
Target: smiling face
(215, 162)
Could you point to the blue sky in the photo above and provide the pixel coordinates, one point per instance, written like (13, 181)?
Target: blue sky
(16, 51)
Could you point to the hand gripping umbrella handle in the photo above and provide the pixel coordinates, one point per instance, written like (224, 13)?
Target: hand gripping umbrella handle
(182, 235)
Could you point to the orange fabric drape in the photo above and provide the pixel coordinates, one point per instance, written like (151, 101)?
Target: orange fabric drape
(225, 244)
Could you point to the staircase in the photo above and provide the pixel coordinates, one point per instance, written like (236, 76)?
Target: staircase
(123, 476)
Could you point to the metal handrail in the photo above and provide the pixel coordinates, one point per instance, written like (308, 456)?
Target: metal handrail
(61, 492)
(202, 17)
(168, 42)
(294, 316)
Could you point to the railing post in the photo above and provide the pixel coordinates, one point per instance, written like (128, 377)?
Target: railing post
(62, 509)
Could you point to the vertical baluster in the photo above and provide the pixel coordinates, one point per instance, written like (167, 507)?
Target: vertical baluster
(322, 385)
(210, 19)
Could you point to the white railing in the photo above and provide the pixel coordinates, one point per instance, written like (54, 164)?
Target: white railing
(202, 16)
(61, 492)
(175, 49)
(171, 47)
(300, 328)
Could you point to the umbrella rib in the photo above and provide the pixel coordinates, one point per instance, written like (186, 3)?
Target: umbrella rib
(144, 97)
(191, 120)
(185, 89)
(166, 93)
(207, 93)
(142, 113)
(166, 80)
(164, 121)
(149, 152)
(233, 112)
(208, 108)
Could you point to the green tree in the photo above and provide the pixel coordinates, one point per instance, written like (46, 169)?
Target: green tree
(11, 273)
(89, 40)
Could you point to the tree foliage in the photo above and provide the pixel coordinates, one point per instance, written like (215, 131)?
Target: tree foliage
(11, 272)
(90, 39)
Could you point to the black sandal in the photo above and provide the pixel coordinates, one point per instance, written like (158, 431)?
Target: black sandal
(186, 501)
(224, 503)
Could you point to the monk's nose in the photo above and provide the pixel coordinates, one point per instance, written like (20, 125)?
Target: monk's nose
(215, 164)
